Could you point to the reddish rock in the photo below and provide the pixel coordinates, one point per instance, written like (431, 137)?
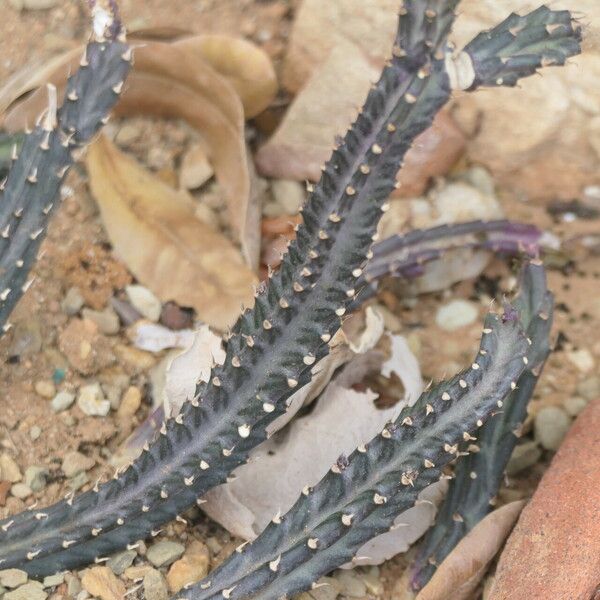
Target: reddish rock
(4, 489)
(554, 551)
(86, 349)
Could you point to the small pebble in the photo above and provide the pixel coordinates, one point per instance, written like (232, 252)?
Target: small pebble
(589, 388)
(155, 587)
(120, 562)
(35, 432)
(45, 388)
(575, 405)
(164, 553)
(176, 318)
(35, 477)
(196, 169)
(289, 195)
(107, 320)
(127, 134)
(26, 339)
(73, 584)
(456, 314)
(101, 582)
(9, 469)
(582, 359)
(92, 402)
(144, 301)
(12, 578)
(21, 491)
(524, 456)
(75, 463)
(78, 481)
(72, 302)
(62, 401)
(352, 585)
(130, 403)
(54, 580)
(550, 426)
(32, 590)
(191, 568)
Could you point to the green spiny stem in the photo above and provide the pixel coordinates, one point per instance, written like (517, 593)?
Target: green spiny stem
(406, 256)
(521, 45)
(273, 346)
(361, 495)
(470, 497)
(29, 195)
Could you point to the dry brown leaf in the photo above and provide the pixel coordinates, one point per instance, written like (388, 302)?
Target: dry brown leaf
(173, 80)
(154, 230)
(33, 76)
(246, 66)
(459, 574)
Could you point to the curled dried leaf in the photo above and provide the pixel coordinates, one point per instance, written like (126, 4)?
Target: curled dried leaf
(154, 230)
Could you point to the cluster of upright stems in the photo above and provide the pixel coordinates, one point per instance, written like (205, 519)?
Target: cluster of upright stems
(274, 347)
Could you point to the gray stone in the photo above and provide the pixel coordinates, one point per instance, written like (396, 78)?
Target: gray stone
(12, 578)
(26, 338)
(72, 302)
(73, 584)
(589, 388)
(32, 590)
(35, 477)
(351, 584)
(107, 320)
(21, 491)
(144, 301)
(121, 561)
(54, 580)
(456, 314)
(155, 587)
(75, 463)
(550, 426)
(575, 405)
(92, 402)
(78, 481)
(35, 432)
(524, 456)
(62, 401)
(164, 553)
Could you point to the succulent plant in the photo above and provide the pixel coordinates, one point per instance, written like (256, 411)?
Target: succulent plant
(29, 193)
(273, 348)
(362, 494)
(477, 478)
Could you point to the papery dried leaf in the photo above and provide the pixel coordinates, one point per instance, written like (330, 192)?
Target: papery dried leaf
(154, 230)
(247, 67)
(282, 466)
(190, 367)
(175, 82)
(460, 573)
